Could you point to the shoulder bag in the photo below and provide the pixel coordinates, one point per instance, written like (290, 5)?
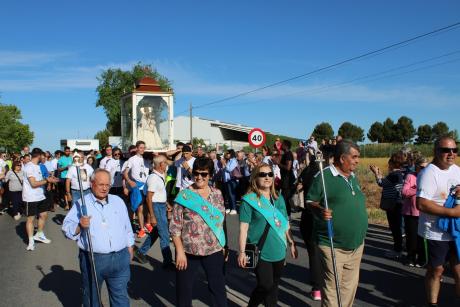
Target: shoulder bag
(253, 251)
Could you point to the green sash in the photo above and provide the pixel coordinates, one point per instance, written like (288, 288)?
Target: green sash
(274, 217)
(211, 215)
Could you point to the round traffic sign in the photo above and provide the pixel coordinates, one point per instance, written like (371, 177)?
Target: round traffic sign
(256, 137)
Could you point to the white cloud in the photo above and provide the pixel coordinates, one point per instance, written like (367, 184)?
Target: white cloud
(187, 82)
(22, 59)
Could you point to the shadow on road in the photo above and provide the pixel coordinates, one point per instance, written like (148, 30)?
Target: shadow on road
(65, 284)
(21, 232)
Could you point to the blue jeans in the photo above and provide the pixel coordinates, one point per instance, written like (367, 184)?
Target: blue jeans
(112, 268)
(230, 192)
(76, 194)
(159, 209)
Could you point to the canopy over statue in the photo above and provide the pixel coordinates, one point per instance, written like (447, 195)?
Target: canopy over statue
(147, 115)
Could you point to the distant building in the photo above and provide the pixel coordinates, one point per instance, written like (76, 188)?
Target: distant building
(213, 132)
(84, 145)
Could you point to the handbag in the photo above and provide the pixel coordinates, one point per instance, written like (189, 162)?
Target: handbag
(297, 200)
(236, 173)
(252, 251)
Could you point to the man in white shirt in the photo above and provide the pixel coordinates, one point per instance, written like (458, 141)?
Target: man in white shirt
(184, 168)
(34, 197)
(434, 184)
(135, 174)
(72, 186)
(107, 158)
(156, 203)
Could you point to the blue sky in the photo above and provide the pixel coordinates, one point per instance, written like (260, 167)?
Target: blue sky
(52, 51)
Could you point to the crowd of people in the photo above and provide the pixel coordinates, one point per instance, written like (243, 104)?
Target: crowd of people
(184, 196)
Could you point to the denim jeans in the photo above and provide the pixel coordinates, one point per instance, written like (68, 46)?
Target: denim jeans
(230, 189)
(76, 194)
(159, 209)
(114, 269)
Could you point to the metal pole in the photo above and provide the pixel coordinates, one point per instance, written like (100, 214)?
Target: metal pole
(88, 237)
(191, 134)
(330, 231)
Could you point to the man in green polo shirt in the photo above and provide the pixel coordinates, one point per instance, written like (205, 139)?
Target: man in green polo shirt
(347, 209)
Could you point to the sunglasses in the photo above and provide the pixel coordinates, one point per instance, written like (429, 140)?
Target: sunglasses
(202, 174)
(264, 175)
(117, 154)
(448, 150)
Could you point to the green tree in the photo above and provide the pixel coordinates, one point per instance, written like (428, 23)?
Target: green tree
(375, 133)
(197, 142)
(388, 131)
(404, 130)
(440, 129)
(103, 137)
(114, 83)
(349, 131)
(323, 131)
(13, 134)
(424, 134)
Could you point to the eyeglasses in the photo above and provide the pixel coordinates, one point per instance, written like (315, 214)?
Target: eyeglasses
(448, 150)
(264, 175)
(202, 174)
(117, 154)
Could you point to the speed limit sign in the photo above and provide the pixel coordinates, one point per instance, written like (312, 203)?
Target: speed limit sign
(256, 137)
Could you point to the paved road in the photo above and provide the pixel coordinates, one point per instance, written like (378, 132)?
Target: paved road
(49, 276)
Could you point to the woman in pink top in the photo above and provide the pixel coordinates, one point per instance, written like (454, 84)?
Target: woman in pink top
(414, 243)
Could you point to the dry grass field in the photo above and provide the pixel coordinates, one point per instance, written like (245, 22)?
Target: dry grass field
(372, 190)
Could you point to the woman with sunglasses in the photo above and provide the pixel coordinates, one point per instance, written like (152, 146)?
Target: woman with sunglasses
(199, 236)
(262, 208)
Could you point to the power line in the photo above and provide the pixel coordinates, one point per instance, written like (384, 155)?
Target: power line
(361, 56)
(369, 78)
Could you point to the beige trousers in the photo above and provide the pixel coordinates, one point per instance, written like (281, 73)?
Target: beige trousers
(348, 264)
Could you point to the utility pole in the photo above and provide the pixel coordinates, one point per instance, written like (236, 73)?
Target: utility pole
(191, 134)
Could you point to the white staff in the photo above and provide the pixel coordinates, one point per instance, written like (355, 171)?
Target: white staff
(330, 231)
(88, 234)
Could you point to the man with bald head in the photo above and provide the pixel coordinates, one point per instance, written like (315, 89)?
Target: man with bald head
(112, 239)
(434, 184)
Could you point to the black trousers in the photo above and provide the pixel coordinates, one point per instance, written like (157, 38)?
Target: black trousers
(306, 230)
(268, 276)
(213, 266)
(414, 243)
(394, 218)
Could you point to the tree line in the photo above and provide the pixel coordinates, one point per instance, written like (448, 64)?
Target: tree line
(402, 131)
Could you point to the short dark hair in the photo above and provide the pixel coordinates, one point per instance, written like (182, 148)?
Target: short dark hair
(139, 143)
(232, 153)
(36, 152)
(204, 163)
(287, 143)
(343, 147)
(179, 144)
(67, 147)
(186, 148)
(108, 146)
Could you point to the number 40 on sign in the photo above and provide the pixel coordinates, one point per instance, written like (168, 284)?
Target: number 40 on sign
(256, 137)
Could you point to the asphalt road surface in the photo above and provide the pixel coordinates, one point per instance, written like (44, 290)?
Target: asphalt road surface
(49, 276)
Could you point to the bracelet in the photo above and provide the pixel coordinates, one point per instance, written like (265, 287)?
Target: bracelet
(242, 252)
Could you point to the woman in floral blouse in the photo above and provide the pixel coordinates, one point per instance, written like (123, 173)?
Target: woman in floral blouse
(197, 229)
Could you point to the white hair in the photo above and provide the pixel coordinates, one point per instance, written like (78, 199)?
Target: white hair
(100, 170)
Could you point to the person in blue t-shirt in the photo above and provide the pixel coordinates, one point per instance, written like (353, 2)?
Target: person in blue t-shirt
(63, 166)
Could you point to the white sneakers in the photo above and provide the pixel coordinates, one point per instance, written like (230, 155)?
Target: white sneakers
(227, 211)
(17, 217)
(42, 238)
(232, 212)
(31, 246)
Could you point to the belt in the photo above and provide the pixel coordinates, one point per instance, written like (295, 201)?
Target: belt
(79, 190)
(109, 253)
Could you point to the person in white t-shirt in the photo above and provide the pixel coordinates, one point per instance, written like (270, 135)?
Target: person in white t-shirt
(33, 196)
(135, 174)
(184, 168)
(108, 157)
(156, 203)
(72, 186)
(434, 184)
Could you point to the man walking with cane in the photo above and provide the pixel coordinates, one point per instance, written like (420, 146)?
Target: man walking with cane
(112, 240)
(340, 261)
